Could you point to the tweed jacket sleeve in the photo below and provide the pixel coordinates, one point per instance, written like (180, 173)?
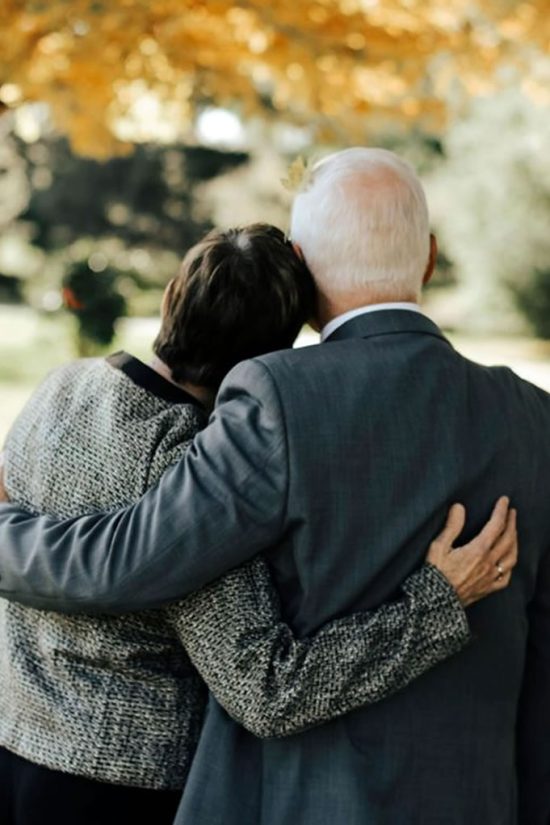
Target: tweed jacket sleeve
(275, 684)
(219, 506)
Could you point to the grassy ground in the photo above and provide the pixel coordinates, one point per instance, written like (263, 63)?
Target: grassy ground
(31, 345)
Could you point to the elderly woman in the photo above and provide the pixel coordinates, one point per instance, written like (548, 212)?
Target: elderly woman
(99, 716)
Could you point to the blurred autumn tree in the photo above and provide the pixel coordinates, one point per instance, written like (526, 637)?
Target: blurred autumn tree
(136, 72)
(106, 68)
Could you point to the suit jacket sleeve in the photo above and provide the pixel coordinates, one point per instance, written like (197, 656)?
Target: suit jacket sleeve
(534, 717)
(222, 503)
(275, 684)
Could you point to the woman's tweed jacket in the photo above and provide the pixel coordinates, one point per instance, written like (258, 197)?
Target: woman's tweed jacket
(117, 698)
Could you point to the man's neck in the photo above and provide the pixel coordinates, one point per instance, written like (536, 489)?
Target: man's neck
(332, 306)
(203, 394)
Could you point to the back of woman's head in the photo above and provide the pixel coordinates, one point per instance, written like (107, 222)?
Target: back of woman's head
(239, 294)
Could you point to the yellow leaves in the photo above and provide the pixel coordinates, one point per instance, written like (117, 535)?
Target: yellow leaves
(356, 41)
(537, 90)
(322, 60)
(10, 94)
(146, 114)
(296, 176)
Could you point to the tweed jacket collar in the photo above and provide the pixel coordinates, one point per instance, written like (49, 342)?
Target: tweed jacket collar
(150, 380)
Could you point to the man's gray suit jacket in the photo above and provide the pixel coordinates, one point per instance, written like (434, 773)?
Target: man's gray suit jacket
(343, 459)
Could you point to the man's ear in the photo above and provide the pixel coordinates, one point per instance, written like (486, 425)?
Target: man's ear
(298, 250)
(166, 299)
(313, 322)
(432, 258)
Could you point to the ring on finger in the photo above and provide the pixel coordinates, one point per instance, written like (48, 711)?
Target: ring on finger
(500, 570)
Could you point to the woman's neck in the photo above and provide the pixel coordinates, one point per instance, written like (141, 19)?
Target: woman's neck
(203, 394)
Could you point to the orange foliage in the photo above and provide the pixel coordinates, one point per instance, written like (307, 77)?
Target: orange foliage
(328, 63)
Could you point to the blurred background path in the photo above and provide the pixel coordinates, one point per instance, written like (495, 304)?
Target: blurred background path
(32, 345)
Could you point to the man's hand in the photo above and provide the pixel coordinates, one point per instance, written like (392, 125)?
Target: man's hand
(485, 564)
(3, 494)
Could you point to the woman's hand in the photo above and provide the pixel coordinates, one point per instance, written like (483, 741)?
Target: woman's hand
(485, 564)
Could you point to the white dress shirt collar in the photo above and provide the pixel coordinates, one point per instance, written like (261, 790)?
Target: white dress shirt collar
(333, 325)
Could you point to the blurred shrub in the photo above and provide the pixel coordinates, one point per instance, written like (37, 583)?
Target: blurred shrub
(491, 205)
(137, 215)
(94, 300)
(533, 300)
(10, 290)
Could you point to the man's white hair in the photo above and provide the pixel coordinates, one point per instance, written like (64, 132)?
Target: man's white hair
(362, 222)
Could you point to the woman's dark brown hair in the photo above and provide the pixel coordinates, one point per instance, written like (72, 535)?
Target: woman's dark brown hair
(239, 294)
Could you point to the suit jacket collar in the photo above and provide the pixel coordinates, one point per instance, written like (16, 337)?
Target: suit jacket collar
(386, 322)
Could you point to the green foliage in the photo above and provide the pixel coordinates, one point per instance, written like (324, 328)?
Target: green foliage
(96, 303)
(491, 199)
(145, 199)
(533, 299)
(10, 290)
(136, 214)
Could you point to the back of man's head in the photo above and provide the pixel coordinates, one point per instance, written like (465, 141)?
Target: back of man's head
(362, 222)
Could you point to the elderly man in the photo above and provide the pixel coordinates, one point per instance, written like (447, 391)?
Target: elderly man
(309, 451)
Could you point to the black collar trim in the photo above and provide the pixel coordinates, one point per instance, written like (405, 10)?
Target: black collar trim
(150, 380)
